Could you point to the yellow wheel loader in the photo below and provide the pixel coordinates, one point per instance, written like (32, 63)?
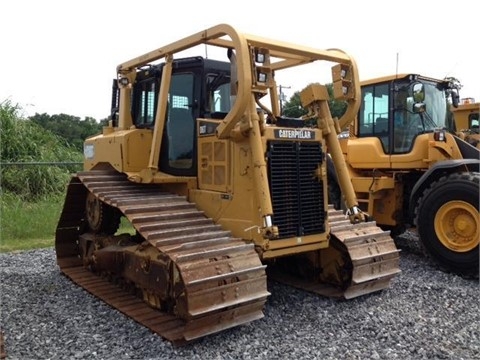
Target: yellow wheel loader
(466, 121)
(410, 169)
(221, 191)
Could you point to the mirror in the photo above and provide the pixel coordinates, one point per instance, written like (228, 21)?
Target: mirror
(418, 93)
(419, 107)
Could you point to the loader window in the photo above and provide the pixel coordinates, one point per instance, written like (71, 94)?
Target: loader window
(373, 115)
(473, 120)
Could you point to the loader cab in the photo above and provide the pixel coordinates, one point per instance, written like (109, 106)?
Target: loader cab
(397, 110)
(466, 115)
(199, 88)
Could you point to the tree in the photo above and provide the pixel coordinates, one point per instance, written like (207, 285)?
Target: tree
(71, 128)
(23, 141)
(337, 107)
(293, 107)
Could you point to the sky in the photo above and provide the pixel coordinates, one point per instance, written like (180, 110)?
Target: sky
(60, 56)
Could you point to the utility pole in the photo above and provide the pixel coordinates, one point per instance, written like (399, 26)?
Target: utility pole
(282, 96)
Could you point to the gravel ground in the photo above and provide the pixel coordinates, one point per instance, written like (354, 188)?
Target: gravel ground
(425, 314)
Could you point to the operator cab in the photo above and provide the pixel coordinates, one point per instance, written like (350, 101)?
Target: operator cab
(199, 88)
(397, 110)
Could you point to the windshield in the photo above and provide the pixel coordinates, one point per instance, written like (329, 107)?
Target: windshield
(419, 107)
(396, 112)
(434, 113)
(436, 106)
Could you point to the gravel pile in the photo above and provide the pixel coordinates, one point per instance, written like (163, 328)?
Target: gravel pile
(425, 314)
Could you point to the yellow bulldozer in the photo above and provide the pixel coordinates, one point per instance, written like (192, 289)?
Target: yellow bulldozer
(219, 189)
(466, 121)
(411, 170)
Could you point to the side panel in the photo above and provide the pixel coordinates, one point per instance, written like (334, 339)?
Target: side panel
(366, 153)
(125, 150)
(225, 184)
(213, 158)
(296, 173)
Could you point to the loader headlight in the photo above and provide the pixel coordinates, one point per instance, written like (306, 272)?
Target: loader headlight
(344, 135)
(440, 135)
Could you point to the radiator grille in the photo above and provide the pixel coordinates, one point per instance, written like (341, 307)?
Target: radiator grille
(297, 195)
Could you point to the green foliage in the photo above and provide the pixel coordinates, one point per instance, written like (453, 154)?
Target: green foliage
(71, 128)
(28, 224)
(337, 107)
(24, 141)
(293, 107)
(32, 196)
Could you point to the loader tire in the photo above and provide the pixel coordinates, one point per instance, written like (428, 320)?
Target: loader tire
(448, 223)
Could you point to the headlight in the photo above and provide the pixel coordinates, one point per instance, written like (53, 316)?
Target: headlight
(88, 151)
(440, 135)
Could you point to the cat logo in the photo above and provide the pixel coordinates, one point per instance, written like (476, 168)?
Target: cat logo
(294, 134)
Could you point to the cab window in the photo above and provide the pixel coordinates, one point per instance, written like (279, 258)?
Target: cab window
(373, 115)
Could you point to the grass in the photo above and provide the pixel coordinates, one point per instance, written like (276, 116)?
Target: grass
(31, 225)
(28, 225)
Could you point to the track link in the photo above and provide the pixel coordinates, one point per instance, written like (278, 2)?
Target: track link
(372, 251)
(361, 259)
(214, 280)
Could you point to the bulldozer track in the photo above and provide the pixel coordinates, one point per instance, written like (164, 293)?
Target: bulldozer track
(223, 279)
(370, 257)
(373, 253)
